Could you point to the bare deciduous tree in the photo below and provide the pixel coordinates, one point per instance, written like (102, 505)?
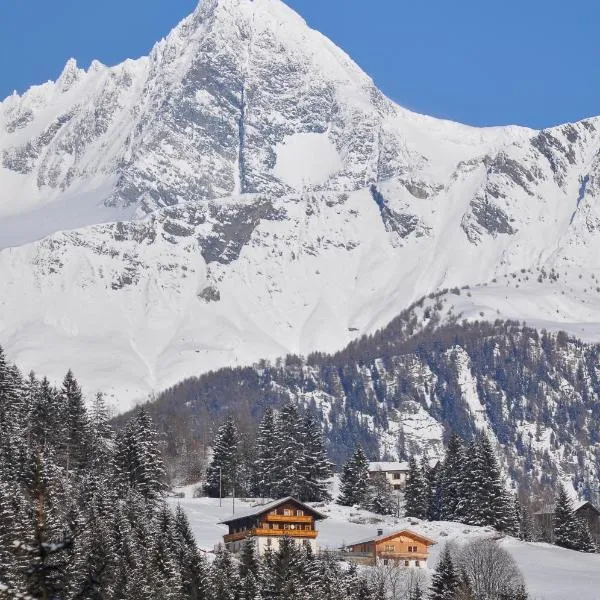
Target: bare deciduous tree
(491, 570)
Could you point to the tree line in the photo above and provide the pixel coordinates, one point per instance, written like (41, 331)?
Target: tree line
(83, 513)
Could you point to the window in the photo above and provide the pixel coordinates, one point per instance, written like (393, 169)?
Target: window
(299, 513)
(412, 548)
(286, 525)
(306, 543)
(396, 475)
(385, 561)
(389, 547)
(417, 563)
(287, 512)
(269, 541)
(397, 487)
(275, 525)
(406, 563)
(307, 528)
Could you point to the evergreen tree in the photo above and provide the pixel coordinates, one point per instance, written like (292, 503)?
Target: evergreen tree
(445, 580)
(287, 472)
(192, 565)
(432, 477)
(452, 481)
(224, 578)
(485, 501)
(354, 481)
(313, 464)
(266, 454)
(76, 423)
(221, 473)
(565, 526)
(381, 495)
(584, 541)
(138, 457)
(416, 492)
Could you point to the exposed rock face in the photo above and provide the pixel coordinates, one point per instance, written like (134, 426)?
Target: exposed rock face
(249, 155)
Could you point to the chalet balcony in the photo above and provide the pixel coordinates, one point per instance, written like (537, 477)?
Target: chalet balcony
(289, 519)
(402, 555)
(293, 533)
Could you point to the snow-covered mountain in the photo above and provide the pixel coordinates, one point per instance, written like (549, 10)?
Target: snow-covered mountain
(246, 191)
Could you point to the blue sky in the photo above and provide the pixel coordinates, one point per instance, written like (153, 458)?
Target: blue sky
(531, 62)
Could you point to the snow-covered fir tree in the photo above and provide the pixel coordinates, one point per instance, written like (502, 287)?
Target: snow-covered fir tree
(222, 472)
(266, 455)
(416, 494)
(568, 530)
(445, 580)
(354, 480)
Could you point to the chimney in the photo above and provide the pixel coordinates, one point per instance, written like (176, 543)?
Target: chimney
(379, 532)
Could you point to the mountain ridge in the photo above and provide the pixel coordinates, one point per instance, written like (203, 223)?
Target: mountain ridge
(245, 191)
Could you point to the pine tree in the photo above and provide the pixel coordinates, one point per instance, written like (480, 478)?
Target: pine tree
(192, 565)
(416, 492)
(266, 455)
(452, 481)
(138, 457)
(381, 495)
(445, 580)
(584, 541)
(354, 481)
(221, 473)
(313, 465)
(224, 581)
(76, 423)
(484, 501)
(432, 477)
(565, 526)
(287, 468)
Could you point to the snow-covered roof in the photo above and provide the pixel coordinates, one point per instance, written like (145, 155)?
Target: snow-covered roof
(549, 508)
(392, 533)
(263, 508)
(388, 466)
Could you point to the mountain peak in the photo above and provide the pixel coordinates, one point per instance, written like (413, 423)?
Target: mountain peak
(70, 74)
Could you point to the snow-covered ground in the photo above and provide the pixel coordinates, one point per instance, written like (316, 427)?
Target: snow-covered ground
(550, 573)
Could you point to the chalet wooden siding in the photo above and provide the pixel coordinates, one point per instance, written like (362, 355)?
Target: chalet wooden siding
(405, 548)
(269, 523)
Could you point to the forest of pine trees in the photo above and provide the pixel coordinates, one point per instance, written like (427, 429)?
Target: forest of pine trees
(466, 487)
(287, 459)
(83, 514)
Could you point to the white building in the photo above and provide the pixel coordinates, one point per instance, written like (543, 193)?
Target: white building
(396, 473)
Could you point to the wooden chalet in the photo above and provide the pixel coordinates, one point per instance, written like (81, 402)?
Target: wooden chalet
(402, 548)
(268, 523)
(584, 510)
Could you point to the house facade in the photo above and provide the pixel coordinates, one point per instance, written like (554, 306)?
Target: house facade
(396, 473)
(268, 523)
(402, 548)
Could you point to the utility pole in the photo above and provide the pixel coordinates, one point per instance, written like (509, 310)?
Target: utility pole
(220, 489)
(233, 498)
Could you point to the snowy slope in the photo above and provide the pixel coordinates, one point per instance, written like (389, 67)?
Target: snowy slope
(245, 191)
(550, 573)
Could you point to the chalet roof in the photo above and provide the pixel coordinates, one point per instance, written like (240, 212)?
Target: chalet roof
(388, 466)
(549, 508)
(391, 534)
(264, 508)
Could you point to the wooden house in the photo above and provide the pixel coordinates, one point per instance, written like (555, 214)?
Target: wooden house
(584, 510)
(403, 548)
(268, 523)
